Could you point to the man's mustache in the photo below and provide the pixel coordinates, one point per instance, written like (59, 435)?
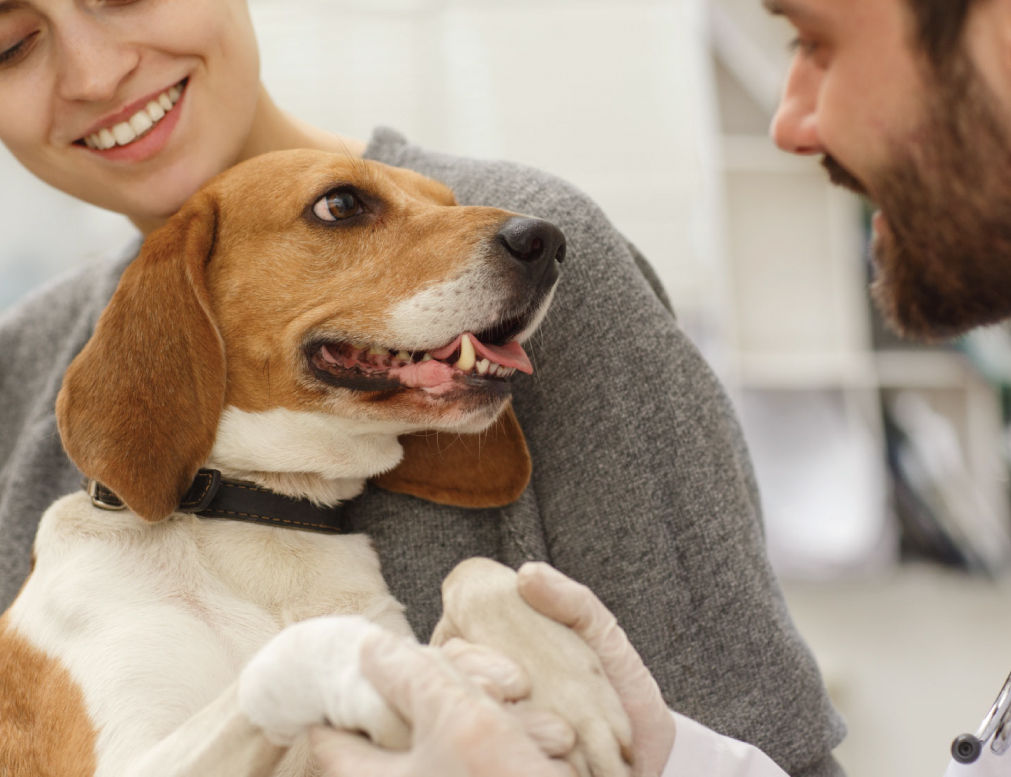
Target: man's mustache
(840, 176)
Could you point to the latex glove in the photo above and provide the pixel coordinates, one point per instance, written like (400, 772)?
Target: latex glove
(457, 730)
(558, 597)
(506, 681)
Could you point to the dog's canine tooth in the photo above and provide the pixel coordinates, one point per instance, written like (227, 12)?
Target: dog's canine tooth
(328, 355)
(468, 358)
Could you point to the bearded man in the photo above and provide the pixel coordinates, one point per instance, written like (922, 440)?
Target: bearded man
(908, 102)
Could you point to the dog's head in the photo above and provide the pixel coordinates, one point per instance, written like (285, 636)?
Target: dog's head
(321, 284)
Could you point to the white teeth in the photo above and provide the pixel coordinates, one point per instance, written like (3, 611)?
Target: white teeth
(467, 356)
(140, 122)
(467, 362)
(137, 125)
(154, 110)
(123, 133)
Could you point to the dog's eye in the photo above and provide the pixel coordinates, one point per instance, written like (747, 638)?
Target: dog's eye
(337, 205)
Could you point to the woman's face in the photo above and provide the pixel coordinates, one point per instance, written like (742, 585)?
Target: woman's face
(128, 104)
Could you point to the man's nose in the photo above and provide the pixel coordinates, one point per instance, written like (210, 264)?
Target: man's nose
(93, 61)
(795, 125)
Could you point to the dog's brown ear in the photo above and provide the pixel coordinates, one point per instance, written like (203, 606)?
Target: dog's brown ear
(140, 405)
(490, 469)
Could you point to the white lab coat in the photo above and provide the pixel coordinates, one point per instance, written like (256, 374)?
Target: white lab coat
(701, 752)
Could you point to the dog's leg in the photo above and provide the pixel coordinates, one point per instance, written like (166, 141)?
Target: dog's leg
(482, 605)
(307, 674)
(220, 739)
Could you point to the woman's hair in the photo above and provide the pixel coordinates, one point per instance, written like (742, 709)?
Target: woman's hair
(939, 26)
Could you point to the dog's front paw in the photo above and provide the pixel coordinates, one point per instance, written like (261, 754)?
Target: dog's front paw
(309, 674)
(481, 604)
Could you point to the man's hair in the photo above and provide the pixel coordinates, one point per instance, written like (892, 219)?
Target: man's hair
(939, 26)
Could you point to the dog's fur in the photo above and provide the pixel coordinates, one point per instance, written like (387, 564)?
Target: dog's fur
(137, 645)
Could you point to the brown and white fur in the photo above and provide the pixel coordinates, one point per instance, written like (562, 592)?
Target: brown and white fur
(151, 642)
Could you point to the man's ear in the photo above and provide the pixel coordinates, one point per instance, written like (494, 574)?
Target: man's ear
(140, 404)
(490, 469)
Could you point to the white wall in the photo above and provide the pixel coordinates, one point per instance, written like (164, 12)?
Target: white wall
(614, 95)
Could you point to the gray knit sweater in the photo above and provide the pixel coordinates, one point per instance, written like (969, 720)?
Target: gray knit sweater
(642, 488)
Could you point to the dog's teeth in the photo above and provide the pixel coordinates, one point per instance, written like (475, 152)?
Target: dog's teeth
(467, 358)
(427, 357)
(404, 356)
(375, 350)
(327, 355)
(482, 367)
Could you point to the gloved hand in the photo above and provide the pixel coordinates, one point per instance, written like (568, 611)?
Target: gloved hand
(457, 729)
(562, 599)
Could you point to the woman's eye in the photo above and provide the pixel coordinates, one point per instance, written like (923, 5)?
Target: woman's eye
(337, 205)
(12, 54)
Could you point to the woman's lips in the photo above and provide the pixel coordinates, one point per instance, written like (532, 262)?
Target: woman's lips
(140, 134)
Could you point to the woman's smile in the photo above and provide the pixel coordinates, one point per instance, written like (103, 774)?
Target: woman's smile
(140, 130)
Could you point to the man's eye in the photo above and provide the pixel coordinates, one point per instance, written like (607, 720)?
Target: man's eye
(806, 47)
(337, 205)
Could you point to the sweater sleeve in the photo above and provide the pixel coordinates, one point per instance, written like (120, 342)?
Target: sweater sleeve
(643, 484)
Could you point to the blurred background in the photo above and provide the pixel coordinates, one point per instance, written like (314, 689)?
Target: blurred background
(883, 466)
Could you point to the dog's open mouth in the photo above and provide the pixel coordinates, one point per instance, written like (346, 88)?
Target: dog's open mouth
(467, 362)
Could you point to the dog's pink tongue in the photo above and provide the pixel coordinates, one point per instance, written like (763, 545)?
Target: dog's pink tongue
(508, 355)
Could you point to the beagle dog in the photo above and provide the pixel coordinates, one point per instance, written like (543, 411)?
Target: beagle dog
(305, 323)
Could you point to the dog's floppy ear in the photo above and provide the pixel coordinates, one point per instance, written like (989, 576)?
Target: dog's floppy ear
(490, 469)
(140, 404)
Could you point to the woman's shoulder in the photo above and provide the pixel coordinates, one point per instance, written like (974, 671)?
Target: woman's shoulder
(59, 302)
(41, 334)
(593, 239)
(500, 183)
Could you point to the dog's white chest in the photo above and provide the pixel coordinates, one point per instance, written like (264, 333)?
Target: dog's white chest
(173, 611)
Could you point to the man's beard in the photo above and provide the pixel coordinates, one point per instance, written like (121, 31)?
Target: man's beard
(944, 261)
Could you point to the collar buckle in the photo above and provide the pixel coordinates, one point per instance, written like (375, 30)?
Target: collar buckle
(103, 498)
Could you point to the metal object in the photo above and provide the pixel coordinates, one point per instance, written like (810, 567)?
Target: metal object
(995, 730)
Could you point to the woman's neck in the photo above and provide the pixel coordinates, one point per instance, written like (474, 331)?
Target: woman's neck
(276, 130)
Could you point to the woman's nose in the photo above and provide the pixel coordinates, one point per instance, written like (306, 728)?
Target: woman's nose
(795, 124)
(93, 61)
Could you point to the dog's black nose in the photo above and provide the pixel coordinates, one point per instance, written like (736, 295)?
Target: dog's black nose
(534, 241)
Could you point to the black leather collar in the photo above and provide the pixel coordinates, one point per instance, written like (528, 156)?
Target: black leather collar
(211, 496)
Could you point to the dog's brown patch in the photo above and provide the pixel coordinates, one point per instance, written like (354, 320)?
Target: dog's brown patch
(44, 725)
